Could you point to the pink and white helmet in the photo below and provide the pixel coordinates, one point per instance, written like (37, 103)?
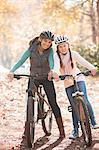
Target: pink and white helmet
(60, 39)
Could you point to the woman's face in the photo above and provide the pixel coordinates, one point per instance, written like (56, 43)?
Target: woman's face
(63, 48)
(46, 43)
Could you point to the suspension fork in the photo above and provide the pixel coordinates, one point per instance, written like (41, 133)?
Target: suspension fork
(76, 88)
(75, 96)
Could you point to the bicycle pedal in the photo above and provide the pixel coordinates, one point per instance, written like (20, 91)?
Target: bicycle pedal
(48, 134)
(39, 117)
(43, 95)
(42, 116)
(70, 108)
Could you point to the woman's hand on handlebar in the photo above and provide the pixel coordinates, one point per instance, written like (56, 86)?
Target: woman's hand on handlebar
(50, 75)
(53, 75)
(56, 76)
(10, 76)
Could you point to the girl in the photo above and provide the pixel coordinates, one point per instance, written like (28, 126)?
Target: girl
(66, 60)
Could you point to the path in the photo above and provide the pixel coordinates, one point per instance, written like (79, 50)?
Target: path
(12, 117)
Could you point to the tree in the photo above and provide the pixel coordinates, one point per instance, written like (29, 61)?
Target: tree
(93, 21)
(98, 21)
(57, 15)
(90, 11)
(6, 11)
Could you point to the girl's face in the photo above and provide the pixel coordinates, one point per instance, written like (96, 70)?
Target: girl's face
(63, 48)
(46, 43)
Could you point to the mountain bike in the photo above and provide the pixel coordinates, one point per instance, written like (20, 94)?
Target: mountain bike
(80, 108)
(37, 109)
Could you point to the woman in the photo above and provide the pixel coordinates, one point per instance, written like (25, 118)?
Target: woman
(66, 60)
(41, 57)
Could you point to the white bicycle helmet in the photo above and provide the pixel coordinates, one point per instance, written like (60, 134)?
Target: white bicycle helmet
(60, 39)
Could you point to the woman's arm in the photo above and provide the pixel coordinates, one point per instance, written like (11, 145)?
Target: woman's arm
(23, 58)
(51, 59)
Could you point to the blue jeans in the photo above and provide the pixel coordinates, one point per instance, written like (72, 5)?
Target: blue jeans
(82, 87)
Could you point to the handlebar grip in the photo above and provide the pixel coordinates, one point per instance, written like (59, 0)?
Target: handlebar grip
(17, 77)
(62, 77)
(87, 73)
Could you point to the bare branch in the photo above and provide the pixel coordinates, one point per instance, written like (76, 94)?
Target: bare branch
(87, 37)
(87, 14)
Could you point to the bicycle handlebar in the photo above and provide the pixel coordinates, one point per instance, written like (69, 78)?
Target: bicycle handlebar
(62, 77)
(86, 73)
(19, 76)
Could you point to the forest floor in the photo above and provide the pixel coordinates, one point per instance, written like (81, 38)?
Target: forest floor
(12, 117)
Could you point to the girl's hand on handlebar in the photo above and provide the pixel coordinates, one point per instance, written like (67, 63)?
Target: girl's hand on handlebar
(10, 76)
(93, 72)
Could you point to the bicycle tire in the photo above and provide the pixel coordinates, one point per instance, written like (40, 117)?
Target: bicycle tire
(85, 122)
(30, 126)
(46, 119)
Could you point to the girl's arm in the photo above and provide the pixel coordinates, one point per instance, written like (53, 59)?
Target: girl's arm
(83, 61)
(56, 64)
(23, 58)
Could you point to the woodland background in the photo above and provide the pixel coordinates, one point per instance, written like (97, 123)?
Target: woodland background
(21, 20)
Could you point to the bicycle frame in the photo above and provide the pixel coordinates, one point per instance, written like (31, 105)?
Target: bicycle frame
(35, 110)
(37, 98)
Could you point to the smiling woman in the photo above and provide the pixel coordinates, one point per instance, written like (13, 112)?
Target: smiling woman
(45, 43)
(40, 53)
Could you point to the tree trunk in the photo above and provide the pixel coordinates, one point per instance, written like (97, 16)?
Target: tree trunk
(93, 23)
(98, 21)
(81, 26)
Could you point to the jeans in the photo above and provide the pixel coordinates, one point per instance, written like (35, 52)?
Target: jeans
(82, 87)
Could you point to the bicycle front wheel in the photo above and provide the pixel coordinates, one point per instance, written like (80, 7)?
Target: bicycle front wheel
(85, 122)
(30, 126)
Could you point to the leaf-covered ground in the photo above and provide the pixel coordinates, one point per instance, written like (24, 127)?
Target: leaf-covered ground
(12, 117)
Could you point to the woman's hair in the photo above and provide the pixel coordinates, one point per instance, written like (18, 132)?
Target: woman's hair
(37, 40)
(58, 53)
(34, 40)
(61, 64)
